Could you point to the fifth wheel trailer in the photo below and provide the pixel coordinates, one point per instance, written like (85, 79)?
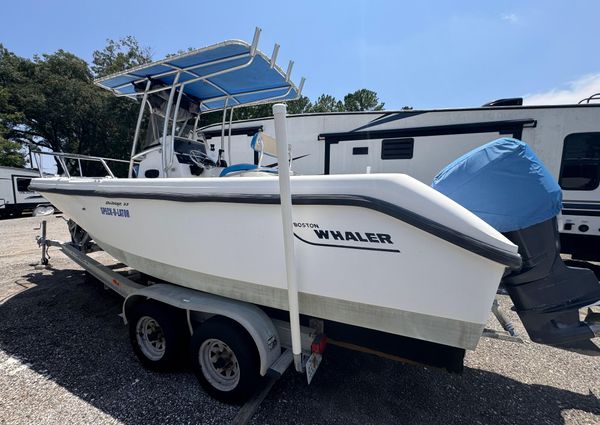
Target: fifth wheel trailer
(15, 196)
(421, 142)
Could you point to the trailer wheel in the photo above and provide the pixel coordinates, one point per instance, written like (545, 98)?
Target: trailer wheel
(225, 360)
(158, 335)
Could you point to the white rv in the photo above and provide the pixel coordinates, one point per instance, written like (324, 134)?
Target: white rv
(15, 196)
(421, 142)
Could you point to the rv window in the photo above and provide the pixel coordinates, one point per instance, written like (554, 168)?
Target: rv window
(397, 148)
(23, 184)
(580, 168)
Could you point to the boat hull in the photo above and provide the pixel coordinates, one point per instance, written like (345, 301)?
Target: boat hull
(357, 263)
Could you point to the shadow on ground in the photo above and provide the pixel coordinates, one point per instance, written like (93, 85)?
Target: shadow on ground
(69, 329)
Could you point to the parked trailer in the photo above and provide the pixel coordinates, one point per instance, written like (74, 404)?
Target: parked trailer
(421, 142)
(234, 344)
(15, 196)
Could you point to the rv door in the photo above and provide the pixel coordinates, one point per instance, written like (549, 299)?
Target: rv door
(579, 179)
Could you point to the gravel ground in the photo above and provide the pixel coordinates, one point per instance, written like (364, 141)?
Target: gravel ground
(65, 358)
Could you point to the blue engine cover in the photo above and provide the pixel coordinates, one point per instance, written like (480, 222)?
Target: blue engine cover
(504, 183)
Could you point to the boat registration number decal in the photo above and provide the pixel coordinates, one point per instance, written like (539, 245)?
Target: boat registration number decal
(115, 212)
(115, 209)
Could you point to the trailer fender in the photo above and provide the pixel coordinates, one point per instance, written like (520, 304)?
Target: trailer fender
(253, 319)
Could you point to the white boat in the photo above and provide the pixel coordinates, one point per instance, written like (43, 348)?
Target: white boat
(382, 252)
(364, 245)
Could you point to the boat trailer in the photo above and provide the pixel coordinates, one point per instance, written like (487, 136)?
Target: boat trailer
(204, 306)
(271, 337)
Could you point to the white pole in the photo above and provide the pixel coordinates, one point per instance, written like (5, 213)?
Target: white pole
(138, 125)
(280, 112)
(166, 129)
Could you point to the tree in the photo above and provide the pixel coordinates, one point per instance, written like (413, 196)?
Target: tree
(10, 154)
(54, 97)
(119, 55)
(180, 52)
(51, 101)
(362, 100)
(327, 103)
(299, 106)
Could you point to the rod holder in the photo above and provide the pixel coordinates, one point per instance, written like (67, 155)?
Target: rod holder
(274, 55)
(301, 85)
(288, 73)
(254, 45)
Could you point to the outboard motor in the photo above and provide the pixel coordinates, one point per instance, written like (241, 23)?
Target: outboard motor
(505, 184)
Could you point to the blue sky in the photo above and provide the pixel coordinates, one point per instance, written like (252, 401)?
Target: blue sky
(423, 54)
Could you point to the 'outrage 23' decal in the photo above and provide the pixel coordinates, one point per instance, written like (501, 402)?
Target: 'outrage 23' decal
(313, 234)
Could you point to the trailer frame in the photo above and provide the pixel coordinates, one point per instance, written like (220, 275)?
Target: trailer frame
(272, 337)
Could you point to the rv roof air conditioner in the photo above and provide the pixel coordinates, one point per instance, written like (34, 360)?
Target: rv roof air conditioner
(510, 101)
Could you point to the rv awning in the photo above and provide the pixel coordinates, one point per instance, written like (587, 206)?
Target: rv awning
(232, 73)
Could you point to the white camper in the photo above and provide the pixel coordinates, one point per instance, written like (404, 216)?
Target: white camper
(421, 142)
(15, 196)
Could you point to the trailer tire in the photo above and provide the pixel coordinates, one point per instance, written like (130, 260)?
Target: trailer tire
(158, 335)
(225, 360)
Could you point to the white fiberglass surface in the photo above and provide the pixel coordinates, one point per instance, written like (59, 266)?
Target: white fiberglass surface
(243, 242)
(398, 189)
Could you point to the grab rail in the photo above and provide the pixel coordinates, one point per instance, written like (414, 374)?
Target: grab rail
(61, 156)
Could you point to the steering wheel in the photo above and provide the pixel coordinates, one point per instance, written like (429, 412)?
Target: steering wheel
(201, 159)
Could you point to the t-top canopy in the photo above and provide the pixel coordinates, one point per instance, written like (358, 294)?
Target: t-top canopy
(228, 74)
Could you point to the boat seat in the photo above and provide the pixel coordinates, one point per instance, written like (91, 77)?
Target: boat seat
(264, 145)
(247, 170)
(237, 168)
